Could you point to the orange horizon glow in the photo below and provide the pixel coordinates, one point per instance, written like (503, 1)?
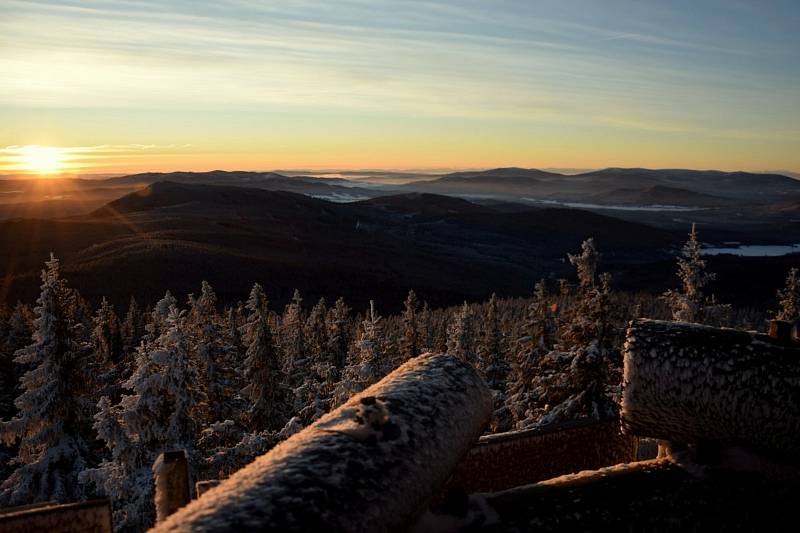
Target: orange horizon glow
(63, 161)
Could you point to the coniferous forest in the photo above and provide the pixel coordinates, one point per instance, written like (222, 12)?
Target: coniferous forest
(90, 397)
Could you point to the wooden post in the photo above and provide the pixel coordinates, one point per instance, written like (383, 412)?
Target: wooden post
(171, 474)
(781, 330)
(372, 465)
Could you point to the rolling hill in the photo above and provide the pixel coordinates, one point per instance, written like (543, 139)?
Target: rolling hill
(174, 235)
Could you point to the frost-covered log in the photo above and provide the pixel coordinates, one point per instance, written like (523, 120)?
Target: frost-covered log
(171, 475)
(373, 464)
(698, 384)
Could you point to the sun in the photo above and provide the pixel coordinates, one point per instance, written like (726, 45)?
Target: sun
(42, 159)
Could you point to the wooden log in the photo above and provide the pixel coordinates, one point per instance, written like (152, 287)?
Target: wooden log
(92, 516)
(371, 465)
(171, 475)
(698, 384)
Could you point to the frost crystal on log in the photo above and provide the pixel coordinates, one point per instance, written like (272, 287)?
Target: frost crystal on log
(690, 383)
(373, 464)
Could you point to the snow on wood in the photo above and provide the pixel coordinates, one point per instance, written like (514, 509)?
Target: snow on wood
(691, 383)
(373, 464)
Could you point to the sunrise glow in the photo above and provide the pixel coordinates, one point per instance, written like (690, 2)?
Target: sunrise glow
(42, 159)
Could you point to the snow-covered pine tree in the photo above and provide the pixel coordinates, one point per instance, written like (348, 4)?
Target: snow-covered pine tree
(160, 414)
(531, 347)
(339, 335)
(494, 366)
(315, 333)
(410, 341)
(125, 476)
(52, 450)
(291, 341)
(212, 355)
(366, 364)
(132, 328)
(461, 336)
(158, 318)
(107, 334)
(581, 378)
(106, 354)
(313, 395)
(789, 297)
(262, 369)
(689, 303)
(234, 320)
(425, 329)
(18, 335)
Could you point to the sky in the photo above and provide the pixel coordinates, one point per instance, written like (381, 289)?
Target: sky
(120, 86)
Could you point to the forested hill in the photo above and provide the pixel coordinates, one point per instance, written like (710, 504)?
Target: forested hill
(174, 235)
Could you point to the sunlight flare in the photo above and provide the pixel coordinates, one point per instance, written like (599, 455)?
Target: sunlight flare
(42, 159)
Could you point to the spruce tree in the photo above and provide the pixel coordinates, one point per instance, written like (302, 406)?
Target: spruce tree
(52, 450)
(461, 336)
(410, 341)
(789, 298)
(262, 369)
(689, 303)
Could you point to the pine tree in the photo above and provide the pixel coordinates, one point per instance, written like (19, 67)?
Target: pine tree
(425, 327)
(212, 355)
(491, 360)
(493, 364)
(262, 369)
(461, 336)
(315, 334)
(51, 448)
(292, 343)
(365, 363)
(133, 328)
(339, 336)
(165, 390)
(106, 352)
(159, 414)
(689, 303)
(18, 335)
(410, 341)
(531, 347)
(790, 298)
(580, 378)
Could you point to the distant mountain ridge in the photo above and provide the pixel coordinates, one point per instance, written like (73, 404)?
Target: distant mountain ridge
(741, 186)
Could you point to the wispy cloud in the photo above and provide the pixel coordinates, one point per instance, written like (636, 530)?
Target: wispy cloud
(642, 67)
